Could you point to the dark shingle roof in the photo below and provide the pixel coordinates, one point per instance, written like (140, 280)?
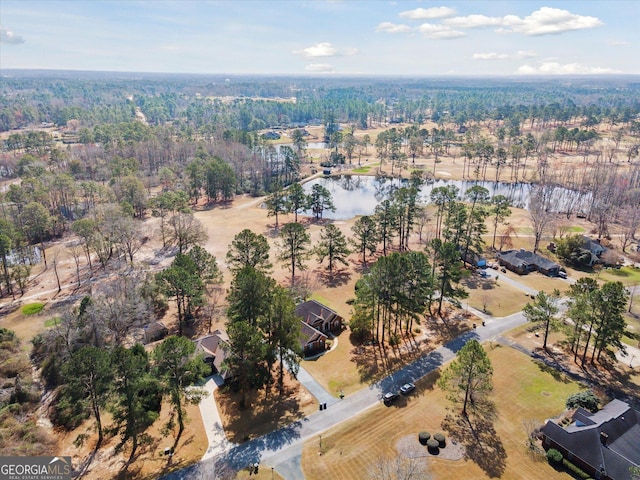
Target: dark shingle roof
(522, 258)
(618, 421)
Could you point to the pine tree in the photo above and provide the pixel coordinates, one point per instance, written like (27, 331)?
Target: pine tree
(468, 377)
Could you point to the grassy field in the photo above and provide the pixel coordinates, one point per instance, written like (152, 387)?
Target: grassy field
(335, 370)
(626, 275)
(539, 282)
(499, 299)
(522, 392)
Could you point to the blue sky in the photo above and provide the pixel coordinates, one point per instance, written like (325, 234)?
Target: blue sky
(420, 38)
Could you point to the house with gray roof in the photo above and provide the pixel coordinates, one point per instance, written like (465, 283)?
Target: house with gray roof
(522, 262)
(211, 348)
(317, 322)
(605, 444)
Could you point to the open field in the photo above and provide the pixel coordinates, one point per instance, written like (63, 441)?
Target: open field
(497, 299)
(627, 275)
(522, 392)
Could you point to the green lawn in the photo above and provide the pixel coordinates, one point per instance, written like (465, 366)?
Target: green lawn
(32, 308)
(626, 275)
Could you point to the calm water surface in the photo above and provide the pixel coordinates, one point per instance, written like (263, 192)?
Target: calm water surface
(359, 194)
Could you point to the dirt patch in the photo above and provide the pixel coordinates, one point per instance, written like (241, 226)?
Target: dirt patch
(150, 462)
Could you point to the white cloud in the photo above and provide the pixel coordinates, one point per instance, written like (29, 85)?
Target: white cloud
(389, 27)
(526, 54)
(504, 56)
(320, 68)
(428, 13)
(548, 21)
(325, 49)
(556, 68)
(322, 49)
(438, 31)
(491, 56)
(544, 21)
(474, 21)
(9, 38)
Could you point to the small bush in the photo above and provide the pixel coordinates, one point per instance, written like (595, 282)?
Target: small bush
(433, 445)
(585, 399)
(32, 308)
(423, 437)
(554, 457)
(577, 471)
(441, 439)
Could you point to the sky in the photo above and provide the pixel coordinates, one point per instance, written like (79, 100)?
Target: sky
(324, 37)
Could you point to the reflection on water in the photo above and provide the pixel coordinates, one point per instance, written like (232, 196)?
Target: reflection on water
(359, 194)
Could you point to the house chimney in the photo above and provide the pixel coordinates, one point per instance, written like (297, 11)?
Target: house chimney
(603, 438)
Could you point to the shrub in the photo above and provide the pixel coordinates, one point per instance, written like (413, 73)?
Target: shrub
(423, 437)
(441, 439)
(433, 445)
(554, 457)
(586, 400)
(394, 339)
(574, 469)
(32, 308)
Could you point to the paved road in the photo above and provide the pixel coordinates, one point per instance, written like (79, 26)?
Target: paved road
(281, 449)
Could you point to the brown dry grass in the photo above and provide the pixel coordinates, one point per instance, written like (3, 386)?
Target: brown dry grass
(521, 392)
(498, 299)
(150, 462)
(265, 412)
(223, 222)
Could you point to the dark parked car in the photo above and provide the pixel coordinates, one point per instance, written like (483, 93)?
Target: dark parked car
(390, 397)
(407, 388)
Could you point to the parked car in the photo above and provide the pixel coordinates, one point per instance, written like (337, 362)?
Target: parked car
(562, 274)
(407, 388)
(390, 397)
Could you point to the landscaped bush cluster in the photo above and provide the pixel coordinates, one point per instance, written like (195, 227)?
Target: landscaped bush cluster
(423, 437)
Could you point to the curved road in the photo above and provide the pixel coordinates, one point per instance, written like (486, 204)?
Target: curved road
(281, 449)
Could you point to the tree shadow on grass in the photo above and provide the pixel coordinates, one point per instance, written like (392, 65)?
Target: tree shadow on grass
(482, 444)
(335, 279)
(264, 414)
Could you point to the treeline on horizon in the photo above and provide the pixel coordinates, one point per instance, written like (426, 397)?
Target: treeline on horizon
(196, 101)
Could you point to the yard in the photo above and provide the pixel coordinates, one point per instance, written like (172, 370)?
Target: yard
(522, 392)
(497, 299)
(627, 275)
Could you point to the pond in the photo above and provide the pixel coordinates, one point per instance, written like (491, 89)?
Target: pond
(355, 195)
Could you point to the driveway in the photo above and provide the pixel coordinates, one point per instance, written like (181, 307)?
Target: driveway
(282, 448)
(218, 442)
